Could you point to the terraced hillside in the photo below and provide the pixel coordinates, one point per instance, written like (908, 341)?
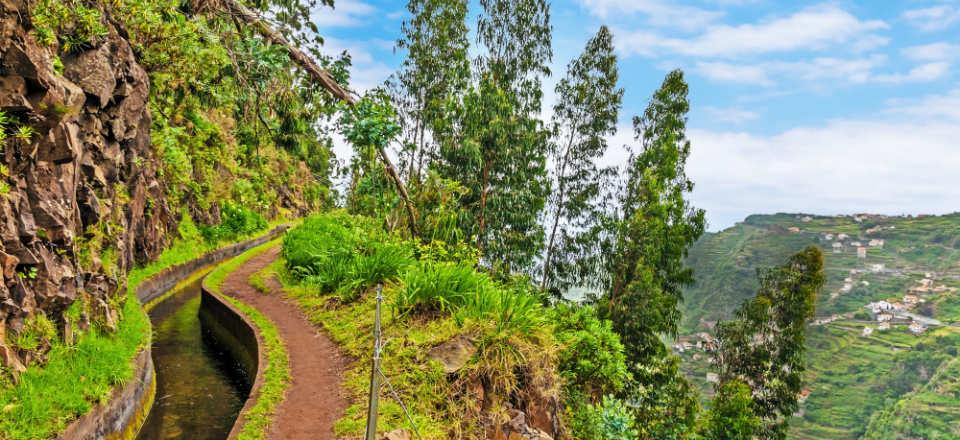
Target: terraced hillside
(866, 379)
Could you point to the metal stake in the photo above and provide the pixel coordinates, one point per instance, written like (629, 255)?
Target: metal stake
(374, 376)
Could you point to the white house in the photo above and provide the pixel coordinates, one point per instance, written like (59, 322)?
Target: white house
(879, 306)
(917, 328)
(861, 252)
(842, 236)
(837, 247)
(867, 331)
(876, 242)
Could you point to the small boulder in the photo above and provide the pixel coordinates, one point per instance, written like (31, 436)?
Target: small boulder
(453, 354)
(397, 434)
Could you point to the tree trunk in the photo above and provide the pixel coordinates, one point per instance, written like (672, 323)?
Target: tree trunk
(481, 223)
(321, 76)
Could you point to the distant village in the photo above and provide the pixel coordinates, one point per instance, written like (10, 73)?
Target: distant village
(883, 315)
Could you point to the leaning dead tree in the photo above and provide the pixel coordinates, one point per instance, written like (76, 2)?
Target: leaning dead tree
(322, 77)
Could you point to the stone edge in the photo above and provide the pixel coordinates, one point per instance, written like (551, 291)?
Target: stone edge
(122, 416)
(244, 342)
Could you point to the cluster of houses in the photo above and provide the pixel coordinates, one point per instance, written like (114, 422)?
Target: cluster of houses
(702, 341)
(886, 313)
(838, 246)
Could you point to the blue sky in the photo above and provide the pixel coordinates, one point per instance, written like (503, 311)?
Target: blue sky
(829, 108)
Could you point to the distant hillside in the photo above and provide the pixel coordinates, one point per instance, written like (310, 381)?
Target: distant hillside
(725, 263)
(865, 379)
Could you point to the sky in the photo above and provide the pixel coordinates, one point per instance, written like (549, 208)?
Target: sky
(835, 107)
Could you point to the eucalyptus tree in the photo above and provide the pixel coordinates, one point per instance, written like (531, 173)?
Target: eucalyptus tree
(764, 345)
(585, 113)
(496, 145)
(435, 69)
(656, 224)
(644, 248)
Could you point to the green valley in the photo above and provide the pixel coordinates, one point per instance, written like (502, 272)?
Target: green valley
(865, 378)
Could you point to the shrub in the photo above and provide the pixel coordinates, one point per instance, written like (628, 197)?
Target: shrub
(384, 262)
(510, 312)
(345, 254)
(591, 357)
(439, 287)
(235, 221)
(609, 420)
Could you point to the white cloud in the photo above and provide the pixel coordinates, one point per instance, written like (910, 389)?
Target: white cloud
(737, 73)
(943, 107)
(658, 12)
(346, 13)
(903, 160)
(814, 28)
(921, 73)
(934, 18)
(731, 115)
(938, 51)
(861, 70)
(849, 70)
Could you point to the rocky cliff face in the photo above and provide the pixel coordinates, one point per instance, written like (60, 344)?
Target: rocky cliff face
(84, 200)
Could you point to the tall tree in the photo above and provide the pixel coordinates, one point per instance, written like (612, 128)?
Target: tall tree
(654, 227)
(731, 417)
(515, 35)
(436, 68)
(764, 345)
(644, 248)
(585, 113)
(496, 145)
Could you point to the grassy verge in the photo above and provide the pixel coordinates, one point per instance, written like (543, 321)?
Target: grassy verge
(433, 297)
(276, 375)
(77, 377)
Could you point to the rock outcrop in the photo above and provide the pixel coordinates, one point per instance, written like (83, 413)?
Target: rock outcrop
(84, 200)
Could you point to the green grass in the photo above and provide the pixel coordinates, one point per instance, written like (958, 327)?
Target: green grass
(426, 304)
(276, 374)
(74, 379)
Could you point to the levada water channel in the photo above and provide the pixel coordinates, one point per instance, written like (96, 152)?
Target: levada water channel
(200, 388)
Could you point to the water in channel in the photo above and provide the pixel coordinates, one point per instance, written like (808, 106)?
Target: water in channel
(200, 389)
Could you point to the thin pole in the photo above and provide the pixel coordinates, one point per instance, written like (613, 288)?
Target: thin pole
(374, 376)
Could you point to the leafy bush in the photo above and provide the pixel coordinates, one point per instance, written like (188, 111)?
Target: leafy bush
(235, 221)
(592, 357)
(609, 420)
(345, 254)
(71, 22)
(439, 287)
(384, 262)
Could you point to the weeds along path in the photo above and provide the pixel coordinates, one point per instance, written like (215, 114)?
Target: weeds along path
(315, 398)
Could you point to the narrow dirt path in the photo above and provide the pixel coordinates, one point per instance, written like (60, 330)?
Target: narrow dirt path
(315, 398)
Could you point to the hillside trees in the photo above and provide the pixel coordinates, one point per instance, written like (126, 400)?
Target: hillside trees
(586, 112)
(763, 346)
(655, 226)
(435, 70)
(495, 146)
(645, 243)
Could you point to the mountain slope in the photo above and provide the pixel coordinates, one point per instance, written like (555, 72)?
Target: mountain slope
(864, 380)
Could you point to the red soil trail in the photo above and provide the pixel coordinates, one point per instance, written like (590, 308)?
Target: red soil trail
(315, 398)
